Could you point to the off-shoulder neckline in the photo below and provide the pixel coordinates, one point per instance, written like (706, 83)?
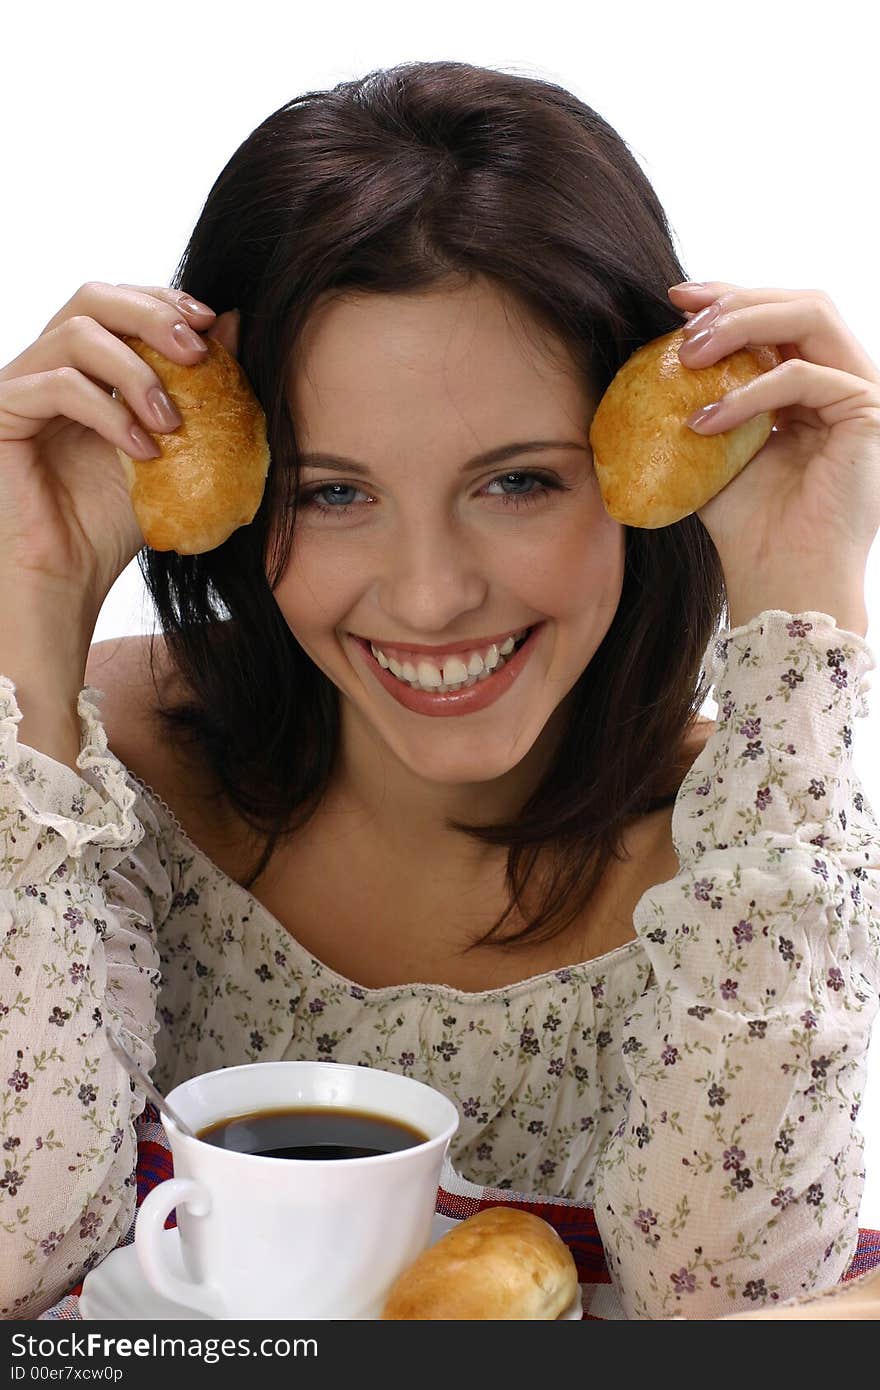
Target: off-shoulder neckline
(584, 969)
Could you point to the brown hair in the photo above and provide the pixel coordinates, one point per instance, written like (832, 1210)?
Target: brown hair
(395, 182)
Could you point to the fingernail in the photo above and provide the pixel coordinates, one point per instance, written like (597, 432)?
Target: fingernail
(164, 408)
(194, 306)
(703, 319)
(689, 285)
(187, 338)
(143, 443)
(704, 415)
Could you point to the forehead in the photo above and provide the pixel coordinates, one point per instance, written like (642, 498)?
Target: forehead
(469, 347)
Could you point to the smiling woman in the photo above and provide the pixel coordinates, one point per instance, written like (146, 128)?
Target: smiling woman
(429, 393)
(640, 953)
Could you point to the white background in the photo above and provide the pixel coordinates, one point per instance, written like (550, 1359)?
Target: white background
(756, 123)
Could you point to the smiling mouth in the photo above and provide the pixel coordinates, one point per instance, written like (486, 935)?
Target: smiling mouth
(429, 696)
(401, 651)
(410, 672)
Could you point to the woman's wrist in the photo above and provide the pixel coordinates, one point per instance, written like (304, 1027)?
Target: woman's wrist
(846, 607)
(847, 617)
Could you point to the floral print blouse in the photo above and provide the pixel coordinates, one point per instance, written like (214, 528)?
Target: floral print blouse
(699, 1085)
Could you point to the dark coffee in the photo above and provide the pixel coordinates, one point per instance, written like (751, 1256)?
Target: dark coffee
(312, 1132)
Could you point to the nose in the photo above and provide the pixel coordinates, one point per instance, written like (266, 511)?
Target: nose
(431, 577)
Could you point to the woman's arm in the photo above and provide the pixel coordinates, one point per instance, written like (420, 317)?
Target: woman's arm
(83, 885)
(736, 1177)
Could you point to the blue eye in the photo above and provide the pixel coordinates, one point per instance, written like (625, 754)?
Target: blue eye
(546, 485)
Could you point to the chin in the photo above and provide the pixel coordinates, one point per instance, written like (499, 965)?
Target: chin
(466, 760)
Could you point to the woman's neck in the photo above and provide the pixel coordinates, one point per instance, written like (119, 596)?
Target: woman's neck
(388, 804)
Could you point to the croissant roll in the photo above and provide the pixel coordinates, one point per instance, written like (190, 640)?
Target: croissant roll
(652, 469)
(211, 474)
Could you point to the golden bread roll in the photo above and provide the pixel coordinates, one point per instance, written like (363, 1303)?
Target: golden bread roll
(651, 467)
(501, 1264)
(212, 472)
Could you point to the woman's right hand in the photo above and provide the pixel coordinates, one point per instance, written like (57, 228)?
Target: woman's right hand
(66, 519)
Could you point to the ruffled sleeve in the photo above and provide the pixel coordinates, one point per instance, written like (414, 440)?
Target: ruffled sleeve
(83, 886)
(736, 1177)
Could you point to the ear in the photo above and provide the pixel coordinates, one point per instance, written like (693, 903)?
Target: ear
(225, 330)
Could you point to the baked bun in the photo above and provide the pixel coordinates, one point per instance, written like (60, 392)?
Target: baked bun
(651, 467)
(500, 1264)
(210, 477)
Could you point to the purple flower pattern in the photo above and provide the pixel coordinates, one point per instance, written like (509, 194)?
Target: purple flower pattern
(717, 1045)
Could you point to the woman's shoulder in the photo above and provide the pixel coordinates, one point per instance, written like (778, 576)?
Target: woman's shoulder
(132, 672)
(125, 669)
(701, 731)
(691, 746)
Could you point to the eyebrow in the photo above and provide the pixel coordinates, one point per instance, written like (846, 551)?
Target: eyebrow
(491, 456)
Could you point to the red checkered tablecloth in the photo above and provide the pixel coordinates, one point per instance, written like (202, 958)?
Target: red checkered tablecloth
(456, 1198)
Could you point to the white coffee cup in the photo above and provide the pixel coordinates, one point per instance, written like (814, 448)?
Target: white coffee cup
(294, 1238)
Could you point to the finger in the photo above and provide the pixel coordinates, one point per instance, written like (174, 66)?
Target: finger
(809, 327)
(835, 396)
(699, 297)
(711, 289)
(699, 294)
(193, 308)
(27, 403)
(95, 293)
(82, 343)
(224, 328)
(129, 312)
(715, 289)
(101, 355)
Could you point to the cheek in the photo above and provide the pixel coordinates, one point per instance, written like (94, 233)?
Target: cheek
(315, 591)
(580, 573)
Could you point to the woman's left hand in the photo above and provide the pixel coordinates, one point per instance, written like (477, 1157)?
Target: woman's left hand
(794, 528)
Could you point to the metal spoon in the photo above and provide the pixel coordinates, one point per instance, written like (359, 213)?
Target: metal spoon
(134, 1071)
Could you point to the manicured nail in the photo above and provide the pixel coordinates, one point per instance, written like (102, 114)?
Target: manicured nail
(194, 306)
(703, 318)
(689, 285)
(703, 416)
(143, 443)
(185, 336)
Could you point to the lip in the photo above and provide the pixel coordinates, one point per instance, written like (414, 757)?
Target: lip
(469, 700)
(403, 649)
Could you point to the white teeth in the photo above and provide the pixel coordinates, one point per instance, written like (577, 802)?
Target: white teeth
(426, 675)
(454, 671)
(475, 662)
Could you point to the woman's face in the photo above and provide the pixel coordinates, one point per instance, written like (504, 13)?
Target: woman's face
(407, 544)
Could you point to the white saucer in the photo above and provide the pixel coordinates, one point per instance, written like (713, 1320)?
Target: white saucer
(117, 1290)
